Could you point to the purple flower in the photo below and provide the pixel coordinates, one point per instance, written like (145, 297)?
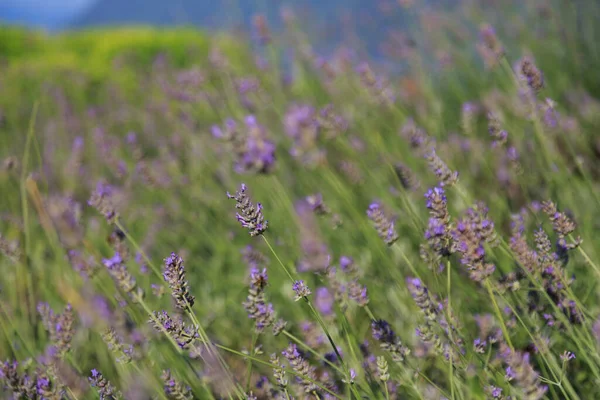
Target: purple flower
(324, 300)
(301, 289)
(496, 392)
(567, 356)
(346, 263)
(510, 375)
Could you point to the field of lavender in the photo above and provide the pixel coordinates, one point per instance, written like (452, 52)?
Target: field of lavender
(195, 217)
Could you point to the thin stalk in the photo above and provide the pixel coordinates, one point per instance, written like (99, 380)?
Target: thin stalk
(312, 351)
(249, 368)
(451, 357)
(317, 317)
(488, 286)
(137, 248)
(259, 361)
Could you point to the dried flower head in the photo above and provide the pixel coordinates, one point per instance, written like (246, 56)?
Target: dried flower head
(382, 369)
(532, 75)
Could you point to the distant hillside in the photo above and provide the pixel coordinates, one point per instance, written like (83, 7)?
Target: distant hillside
(209, 14)
(330, 21)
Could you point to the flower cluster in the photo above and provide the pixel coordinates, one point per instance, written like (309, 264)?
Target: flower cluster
(253, 151)
(28, 384)
(301, 124)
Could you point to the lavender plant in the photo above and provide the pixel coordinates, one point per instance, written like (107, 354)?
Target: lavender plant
(118, 147)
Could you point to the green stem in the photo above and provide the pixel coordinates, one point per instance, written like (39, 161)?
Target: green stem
(317, 317)
(489, 288)
(451, 357)
(137, 248)
(249, 368)
(312, 351)
(259, 361)
(278, 259)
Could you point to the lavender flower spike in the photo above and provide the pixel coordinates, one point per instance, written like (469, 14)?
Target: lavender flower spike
(388, 341)
(118, 271)
(175, 328)
(106, 390)
(101, 201)
(174, 275)
(301, 366)
(174, 390)
(249, 215)
(301, 290)
(384, 225)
